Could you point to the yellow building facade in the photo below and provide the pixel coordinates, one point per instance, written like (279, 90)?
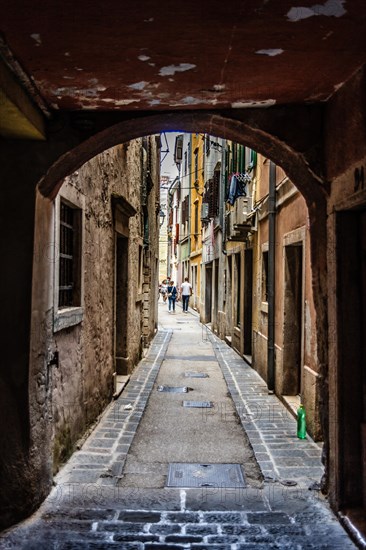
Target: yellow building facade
(195, 206)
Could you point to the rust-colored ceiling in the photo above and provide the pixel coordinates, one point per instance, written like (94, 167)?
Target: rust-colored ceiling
(153, 55)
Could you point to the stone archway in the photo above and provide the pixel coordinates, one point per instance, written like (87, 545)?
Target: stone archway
(260, 131)
(270, 132)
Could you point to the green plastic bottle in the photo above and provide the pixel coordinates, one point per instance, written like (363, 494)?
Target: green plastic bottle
(301, 422)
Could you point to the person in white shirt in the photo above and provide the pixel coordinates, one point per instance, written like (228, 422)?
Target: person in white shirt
(186, 292)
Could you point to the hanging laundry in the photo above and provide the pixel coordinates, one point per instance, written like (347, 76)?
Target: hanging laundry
(238, 186)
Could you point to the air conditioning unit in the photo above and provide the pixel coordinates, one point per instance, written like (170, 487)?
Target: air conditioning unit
(242, 208)
(238, 223)
(204, 211)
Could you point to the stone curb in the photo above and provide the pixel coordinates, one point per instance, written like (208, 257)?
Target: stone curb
(270, 427)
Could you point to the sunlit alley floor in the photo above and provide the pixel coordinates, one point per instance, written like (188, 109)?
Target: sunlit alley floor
(193, 454)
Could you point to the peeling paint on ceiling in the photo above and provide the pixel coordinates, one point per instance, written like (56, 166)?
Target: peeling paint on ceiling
(172, 69)
(37, 38)
(139, 85)
(162, 58)
(126, 101)
(331, 8)
(254, 103)
(271, 52)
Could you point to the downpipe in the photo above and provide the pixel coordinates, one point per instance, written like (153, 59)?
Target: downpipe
(271, 278)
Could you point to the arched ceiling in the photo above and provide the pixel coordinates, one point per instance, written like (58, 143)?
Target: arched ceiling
(207, 54)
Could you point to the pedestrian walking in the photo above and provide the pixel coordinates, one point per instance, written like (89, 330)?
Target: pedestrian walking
(186, 292)
(164, 290)
(172, 296)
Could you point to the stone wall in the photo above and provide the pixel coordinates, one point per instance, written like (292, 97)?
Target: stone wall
(75, 391)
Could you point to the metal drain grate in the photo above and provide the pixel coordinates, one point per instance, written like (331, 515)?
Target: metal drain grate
(170, 389)
(198, 404)
(186, 475)
(196, 375)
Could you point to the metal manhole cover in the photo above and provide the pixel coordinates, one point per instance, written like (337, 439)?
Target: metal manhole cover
(171, 389)
(187, 475)
(198, 404)
(196, 375)
(191, 357)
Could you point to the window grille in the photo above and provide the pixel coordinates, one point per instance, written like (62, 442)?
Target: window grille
(69, 257)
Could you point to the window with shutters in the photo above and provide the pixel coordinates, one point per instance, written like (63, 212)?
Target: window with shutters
(196, 219)
(185, 210)
(211, 195)
(196, 166)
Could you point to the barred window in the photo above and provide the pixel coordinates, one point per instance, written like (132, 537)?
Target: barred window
(70, 255)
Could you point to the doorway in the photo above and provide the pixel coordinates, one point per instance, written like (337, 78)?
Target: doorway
(121, 305)
(292, 315)
(195, 289)
(216, 294)
(208, 293)
(248, 302)
(351, 319)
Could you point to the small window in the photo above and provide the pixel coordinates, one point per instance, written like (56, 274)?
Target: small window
(265, 276)
(196, 166)
(69, 289)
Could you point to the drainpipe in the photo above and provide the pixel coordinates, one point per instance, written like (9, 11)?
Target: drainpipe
(271, 278)
(222, 198)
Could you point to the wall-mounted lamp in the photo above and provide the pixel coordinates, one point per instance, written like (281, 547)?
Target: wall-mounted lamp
(162, 217)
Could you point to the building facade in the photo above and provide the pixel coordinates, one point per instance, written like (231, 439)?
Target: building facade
(249, 263)
(94, 298)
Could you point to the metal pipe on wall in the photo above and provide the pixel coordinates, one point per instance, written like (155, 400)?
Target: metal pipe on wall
(271, 277)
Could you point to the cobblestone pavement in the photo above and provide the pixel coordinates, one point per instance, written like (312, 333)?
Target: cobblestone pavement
(90, 508)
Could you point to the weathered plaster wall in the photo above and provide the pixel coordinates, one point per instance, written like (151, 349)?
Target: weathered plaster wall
(76, 391)
(291, 228)
(346, 117)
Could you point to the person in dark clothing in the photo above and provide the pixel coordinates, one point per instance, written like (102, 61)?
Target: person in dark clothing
(172, 296)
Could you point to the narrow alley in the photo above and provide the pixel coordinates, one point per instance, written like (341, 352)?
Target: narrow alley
(146, 476)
